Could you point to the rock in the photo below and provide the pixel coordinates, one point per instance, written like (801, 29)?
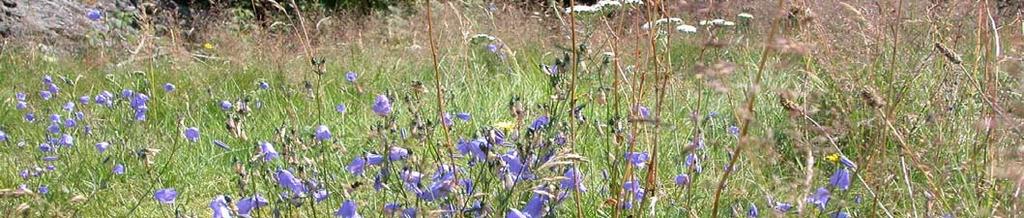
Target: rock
(57, 21)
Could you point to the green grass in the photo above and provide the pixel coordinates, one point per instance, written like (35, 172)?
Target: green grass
(771, 167)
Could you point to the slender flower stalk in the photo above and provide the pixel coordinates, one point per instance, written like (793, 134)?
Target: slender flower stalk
(750, 113)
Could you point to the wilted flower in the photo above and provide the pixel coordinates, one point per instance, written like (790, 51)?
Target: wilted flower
(382, 106)
(165, 196)
(322, 133)
(192, 134)
(102, 146)
(349, 209)
(745, 16)
(840, 179)
(752, 211)
(351, 76)
(267, 150)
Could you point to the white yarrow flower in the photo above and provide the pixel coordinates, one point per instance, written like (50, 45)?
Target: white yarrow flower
(686, 28)
(717, 22)
(581, 9)
(480, 38)
(662, 21)
(607, 5)
(746, 16)
(633, 2)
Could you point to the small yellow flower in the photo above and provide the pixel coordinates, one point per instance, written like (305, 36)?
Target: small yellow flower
(504, 125)
(207, 45)
(834, 158)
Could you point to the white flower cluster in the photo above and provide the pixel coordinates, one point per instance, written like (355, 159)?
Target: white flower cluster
(659, 22)
(582, 9)
(717, 22)
(683, 28)
(680, 26)
(482, 38)
(602, 5)
(634, 2)
(745, 16)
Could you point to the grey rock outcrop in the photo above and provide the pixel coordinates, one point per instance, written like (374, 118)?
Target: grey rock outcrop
(57, 20)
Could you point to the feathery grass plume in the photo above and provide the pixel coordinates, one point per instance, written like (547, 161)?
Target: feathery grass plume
(872, 98)
(950, 55)
(785, 99)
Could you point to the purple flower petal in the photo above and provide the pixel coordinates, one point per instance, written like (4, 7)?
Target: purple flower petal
(165, 196)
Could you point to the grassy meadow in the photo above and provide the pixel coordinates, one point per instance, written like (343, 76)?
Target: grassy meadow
(493, 109)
